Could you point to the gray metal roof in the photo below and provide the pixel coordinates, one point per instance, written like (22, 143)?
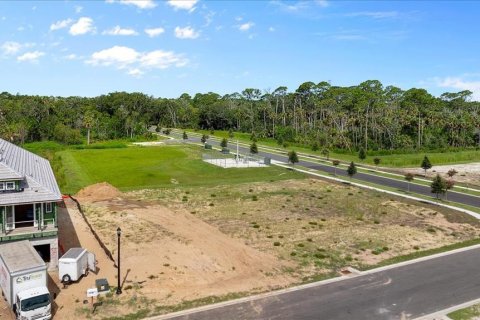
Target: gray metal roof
(20, 255)
(73, 253)
(35, 172)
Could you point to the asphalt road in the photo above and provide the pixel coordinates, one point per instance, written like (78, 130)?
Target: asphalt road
(409, 291)
(397, 184)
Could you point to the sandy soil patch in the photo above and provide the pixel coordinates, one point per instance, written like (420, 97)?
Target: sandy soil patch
(172, 256)
(319, 225)
(468, 173)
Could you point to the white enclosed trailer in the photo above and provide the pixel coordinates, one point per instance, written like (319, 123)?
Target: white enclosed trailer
(23, 279)
(75, 263)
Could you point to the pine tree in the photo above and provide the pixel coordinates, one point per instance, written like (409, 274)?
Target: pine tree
(292, 157)
(377, 161)
(224, 143)
(352, 170)
(426, 165)
(438, 185)
(362, 154)
(253, 148)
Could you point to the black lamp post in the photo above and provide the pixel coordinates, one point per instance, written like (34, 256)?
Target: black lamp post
(119, 233)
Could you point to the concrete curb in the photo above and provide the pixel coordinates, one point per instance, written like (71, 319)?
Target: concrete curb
(471, 213)
(442, 314)
(316, 284)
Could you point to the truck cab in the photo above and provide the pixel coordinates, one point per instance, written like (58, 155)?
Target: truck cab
(33, 303)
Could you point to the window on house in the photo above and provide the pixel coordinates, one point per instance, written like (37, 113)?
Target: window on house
(48, 207)
(2, 185)
(10, 185)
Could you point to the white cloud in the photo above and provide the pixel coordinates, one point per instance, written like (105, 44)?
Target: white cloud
(162, 59)
(137, 73)
(183, 4)
(141, 4)
(10, 47)
(84, 25)
(186, 33)
(60, 24)
(271, 29)
(460, 83)
(71, 56)
(246, 26)
(118, 31)
(374, 14)
(30, 56)
(117, 55)
(154, 32)
(125, 58)
(78, 9)
(322, 3)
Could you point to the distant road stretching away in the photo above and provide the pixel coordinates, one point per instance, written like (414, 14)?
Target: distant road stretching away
(397, 184)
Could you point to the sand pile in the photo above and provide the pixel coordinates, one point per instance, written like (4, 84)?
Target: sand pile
(98, 192)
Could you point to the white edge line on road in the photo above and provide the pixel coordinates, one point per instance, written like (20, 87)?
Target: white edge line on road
(471, 213)
(370, 170)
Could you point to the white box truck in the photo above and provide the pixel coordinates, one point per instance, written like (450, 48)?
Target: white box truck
(75, 263)
(23, 279)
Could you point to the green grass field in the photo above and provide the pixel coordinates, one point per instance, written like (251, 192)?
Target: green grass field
(469, 313)
(153, 167)
(392, 160)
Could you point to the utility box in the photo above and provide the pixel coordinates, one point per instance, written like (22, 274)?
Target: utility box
(74, 264)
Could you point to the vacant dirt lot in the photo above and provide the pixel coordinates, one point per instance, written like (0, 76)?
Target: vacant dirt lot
(170, 257)
(186, 244)
(320, 226)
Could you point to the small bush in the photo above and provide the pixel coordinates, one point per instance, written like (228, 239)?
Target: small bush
(301, 245)
(431, 230)
(416, 247)
(293, 254)
(276, 244)
(313, 223)
(254, 198)
(376, 221)
(309, 239)
(211, 204)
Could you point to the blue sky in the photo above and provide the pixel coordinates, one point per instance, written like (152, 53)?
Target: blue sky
(166, 48)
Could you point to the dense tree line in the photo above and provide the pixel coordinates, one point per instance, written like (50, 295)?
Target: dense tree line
(368, 116)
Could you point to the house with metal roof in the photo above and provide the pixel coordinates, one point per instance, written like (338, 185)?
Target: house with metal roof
(29, 199)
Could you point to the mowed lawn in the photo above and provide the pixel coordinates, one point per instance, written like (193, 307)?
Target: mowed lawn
(155, 167)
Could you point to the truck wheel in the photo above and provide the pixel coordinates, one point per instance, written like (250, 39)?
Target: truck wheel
(66, 279)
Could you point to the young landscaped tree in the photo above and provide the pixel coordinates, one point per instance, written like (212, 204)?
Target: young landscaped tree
(224, 143)
(325, 153)
(449, 184)
(335, 164)
(204, 138)
(230, 134)
(185, 136)
(377, 161)
(362, 155)
(253, 137)
(409, 177)
(426, 165)
(438, 185)
(315, 146)
(292, 157)
(451, 173)
(351, 170)
(253, 148)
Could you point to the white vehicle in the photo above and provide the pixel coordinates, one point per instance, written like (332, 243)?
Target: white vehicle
(23, 279)
(75, 263)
